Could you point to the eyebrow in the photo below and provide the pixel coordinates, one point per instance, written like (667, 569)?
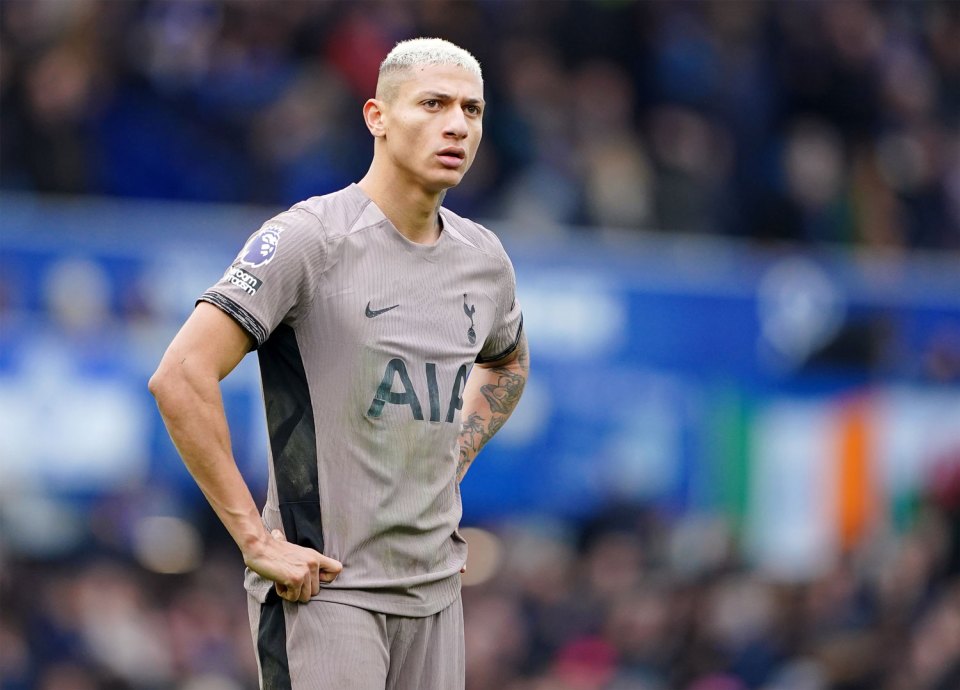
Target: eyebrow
(440, 96)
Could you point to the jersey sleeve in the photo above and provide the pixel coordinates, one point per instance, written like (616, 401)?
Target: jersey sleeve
(274, 277)
(508, 325)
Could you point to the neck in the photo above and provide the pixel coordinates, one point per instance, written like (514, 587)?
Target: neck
(412, 210)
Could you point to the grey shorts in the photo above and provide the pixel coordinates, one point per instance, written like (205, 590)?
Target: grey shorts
(326, 646)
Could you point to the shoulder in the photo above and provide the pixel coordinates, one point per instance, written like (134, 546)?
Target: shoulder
(338, 213)
(473, 235)
(305, 230)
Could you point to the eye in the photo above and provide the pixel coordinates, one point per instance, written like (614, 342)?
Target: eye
(474, 110)
(431, 104)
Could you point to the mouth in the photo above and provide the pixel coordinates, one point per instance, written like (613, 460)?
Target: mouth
(452, 157)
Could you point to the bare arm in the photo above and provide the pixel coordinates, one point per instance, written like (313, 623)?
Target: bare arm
(186, 386)
(490, 396)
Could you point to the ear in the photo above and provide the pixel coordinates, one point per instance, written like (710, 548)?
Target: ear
(374, 115)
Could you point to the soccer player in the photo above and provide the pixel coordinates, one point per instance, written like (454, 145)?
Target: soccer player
(391, 349)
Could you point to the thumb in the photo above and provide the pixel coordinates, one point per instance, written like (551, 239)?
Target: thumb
(278, 535)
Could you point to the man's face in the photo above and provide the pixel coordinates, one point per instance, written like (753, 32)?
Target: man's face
(433, 122)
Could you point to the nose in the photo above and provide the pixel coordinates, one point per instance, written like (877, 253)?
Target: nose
(456, 124)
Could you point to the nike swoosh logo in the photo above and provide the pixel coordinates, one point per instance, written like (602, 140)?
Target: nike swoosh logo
(376, 312)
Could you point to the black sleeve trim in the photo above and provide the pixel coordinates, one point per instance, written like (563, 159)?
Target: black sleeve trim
(509, 350)
(245, 319)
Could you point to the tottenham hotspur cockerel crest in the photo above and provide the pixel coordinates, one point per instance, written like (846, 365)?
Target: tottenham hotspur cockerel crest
(469, 310)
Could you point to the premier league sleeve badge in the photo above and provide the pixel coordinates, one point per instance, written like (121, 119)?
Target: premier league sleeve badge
(261, 248)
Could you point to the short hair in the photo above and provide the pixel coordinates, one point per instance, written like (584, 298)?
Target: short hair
(422, 51)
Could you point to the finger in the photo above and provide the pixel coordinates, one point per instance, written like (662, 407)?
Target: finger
(329, 569)
(305, 593)
(463, 570)
(289, 590)
(314, 578)
(293, 592)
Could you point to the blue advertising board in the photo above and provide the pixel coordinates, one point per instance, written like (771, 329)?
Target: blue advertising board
(650, 353)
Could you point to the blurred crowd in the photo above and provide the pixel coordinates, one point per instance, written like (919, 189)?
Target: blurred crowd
(629, 600)
(815, 121)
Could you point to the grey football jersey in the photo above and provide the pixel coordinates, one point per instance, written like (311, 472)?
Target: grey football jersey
(365, 342)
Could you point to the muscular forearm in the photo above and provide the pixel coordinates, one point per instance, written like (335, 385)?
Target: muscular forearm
(187, 388)
(192, 409)
(490, 396)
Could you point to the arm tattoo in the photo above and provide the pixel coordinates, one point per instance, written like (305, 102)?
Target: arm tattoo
(471, 440)
(502, 395)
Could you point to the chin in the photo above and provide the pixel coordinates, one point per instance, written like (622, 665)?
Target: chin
(443, 182)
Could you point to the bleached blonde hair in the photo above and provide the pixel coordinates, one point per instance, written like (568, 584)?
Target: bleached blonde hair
(422, 51)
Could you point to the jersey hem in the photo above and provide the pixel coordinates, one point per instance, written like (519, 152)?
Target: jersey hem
(446, 593)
